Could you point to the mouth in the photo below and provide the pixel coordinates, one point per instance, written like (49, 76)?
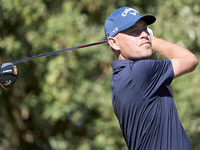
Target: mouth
(146, 43)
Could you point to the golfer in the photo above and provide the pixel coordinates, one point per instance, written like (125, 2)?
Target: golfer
(141, 93)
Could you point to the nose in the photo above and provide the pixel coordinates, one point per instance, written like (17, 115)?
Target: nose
(144, 33)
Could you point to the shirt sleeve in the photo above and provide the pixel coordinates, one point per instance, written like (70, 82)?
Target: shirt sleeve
(153, 75)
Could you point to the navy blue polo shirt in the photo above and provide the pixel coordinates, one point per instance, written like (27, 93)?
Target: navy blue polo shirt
(144, 106)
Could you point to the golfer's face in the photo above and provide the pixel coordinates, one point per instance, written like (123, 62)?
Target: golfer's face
(135, 42)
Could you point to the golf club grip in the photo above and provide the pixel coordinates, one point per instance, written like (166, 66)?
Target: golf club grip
(59, 51)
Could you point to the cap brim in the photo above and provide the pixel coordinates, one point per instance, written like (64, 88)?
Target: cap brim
(149, 19)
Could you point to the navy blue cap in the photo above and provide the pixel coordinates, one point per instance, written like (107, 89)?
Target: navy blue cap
(123, 18)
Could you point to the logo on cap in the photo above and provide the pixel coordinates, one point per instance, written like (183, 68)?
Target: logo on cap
(114, 31)
(127, 10)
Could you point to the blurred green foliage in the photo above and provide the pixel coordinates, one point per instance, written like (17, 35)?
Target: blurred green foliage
(63, 101)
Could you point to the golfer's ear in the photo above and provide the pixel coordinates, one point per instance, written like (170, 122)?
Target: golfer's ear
(112, 41)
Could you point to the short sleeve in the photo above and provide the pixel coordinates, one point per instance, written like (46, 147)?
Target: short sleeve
(152, 74)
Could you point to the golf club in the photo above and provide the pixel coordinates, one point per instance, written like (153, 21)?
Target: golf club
(9, 71)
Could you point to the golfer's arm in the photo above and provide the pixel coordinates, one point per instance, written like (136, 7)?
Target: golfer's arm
(155, 57)
(183, 61)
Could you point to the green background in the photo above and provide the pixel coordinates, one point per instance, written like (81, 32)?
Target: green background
(63, 102)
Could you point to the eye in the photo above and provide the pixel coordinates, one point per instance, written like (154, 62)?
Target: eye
(133, 32)
(137, 31)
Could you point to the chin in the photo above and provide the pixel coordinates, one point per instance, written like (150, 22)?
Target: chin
(148, 56)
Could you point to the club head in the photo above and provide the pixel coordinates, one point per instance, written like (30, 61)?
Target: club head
(8, 75)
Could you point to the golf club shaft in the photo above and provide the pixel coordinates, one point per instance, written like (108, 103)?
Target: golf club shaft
(59, 51)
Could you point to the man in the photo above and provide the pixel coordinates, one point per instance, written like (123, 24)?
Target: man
(142, 98)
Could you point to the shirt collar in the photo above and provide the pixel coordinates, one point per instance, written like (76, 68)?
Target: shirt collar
(119, 63)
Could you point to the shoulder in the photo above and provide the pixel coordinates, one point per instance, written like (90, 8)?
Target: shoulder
(151, 68)
(142, 66)
(152, 64)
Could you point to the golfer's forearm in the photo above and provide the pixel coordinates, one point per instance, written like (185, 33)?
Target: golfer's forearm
(169, 50)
